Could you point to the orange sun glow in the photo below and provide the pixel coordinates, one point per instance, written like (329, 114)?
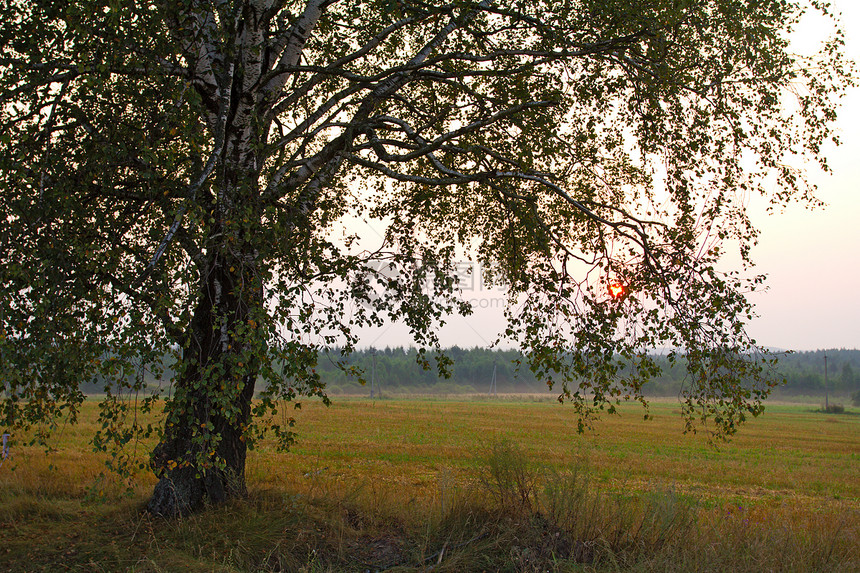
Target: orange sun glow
(616, 290)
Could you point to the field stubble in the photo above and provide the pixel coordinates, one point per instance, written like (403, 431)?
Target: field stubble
(408, 484)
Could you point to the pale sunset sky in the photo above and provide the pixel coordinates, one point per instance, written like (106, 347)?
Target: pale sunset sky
(811, 257)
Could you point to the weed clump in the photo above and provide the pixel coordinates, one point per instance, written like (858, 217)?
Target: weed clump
(561, 515)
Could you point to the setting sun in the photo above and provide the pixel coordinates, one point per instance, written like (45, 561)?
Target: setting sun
(616, 290)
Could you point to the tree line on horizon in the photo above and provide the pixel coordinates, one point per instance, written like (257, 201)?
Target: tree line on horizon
(397, 370)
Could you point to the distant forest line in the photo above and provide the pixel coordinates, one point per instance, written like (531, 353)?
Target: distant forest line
(396, 371)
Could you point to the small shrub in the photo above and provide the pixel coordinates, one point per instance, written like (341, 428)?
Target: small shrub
(833, 409)
(509, 477)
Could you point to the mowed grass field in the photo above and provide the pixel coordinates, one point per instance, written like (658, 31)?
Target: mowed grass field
(410, 485)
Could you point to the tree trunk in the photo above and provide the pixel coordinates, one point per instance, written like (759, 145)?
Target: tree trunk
(201, 456)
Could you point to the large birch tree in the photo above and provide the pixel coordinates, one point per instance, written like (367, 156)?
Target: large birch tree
(186, 178)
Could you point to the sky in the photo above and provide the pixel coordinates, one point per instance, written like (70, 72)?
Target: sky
(811, 257)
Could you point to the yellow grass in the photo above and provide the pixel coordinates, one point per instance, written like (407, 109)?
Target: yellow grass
(789, 476)
(788, 452)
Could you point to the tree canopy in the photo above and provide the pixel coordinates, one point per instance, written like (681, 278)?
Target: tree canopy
(191, 177)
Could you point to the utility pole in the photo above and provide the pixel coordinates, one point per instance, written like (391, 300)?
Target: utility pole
(372, 371)
(826, 401)
(493, 381)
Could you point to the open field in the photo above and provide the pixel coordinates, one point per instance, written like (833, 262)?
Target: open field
(409, 484)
